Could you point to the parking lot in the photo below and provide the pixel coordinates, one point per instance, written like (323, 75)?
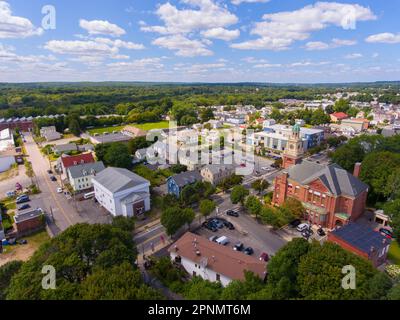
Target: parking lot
(248, 232)
(91, 212)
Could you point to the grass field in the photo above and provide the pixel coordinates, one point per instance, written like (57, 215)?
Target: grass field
(143, 126)
(394, 253)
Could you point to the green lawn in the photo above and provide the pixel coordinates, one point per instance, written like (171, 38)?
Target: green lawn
(394, 253)
(143, 126)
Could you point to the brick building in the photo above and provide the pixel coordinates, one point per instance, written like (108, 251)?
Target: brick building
(331, 195)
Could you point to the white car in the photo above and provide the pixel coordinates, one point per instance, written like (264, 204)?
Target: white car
(302, 227)
(59, 190)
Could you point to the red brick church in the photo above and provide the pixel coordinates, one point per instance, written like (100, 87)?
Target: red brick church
(331, 195)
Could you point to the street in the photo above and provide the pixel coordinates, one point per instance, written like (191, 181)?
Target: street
(63, 211)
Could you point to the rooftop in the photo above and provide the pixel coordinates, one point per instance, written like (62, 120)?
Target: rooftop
(184, 178)
(336, 179)
(219, 258)
(86, 169)
(69, 161)
(361, 236)
(118, 179)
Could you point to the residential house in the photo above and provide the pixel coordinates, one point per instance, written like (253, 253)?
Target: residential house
(357, 124)
(214, 262)
(65, 161)
(331, 195)
(338, 116)
(86, 147)
(215, 173)
(122, 192)
(363, 241)
(50, 133)
(64, 148)
(176, 183)
(80, 176)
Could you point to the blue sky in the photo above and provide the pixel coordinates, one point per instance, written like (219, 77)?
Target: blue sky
(300, 41)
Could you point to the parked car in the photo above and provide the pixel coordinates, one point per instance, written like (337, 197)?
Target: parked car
(213, 238)
(229, 225)
(232, 213)
(53, 178)
(249, 251)
(387, 233)
(238, 246)
(49, 171)
(210, 226)
(23, 241)
(321, 232)
(24, 206)
(10, 194)
(22, 198)
(219, 224)
(222, 240)
(294, 223)
(59, 190)
(264, 256)
(302, 227)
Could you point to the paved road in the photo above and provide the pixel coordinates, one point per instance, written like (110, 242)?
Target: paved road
(64, 213)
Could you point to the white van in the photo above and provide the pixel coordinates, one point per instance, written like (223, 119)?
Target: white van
(88, 195)
(222, 240)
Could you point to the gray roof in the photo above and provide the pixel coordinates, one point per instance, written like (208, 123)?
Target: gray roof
(361, 237)
(216, 168)
(65, 147)
(118, 179)
(79, 170)
(111, 137)
(335, 178)
(184, 178)
(27, 215)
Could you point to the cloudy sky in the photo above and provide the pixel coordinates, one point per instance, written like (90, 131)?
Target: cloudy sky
(299, 41)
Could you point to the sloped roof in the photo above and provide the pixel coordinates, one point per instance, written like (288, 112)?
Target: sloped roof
(90, 168)
(118, 179)
(184, 178)
(79, 159)
(339, 115)
(335, 178)
(222, 259)
(361, 236)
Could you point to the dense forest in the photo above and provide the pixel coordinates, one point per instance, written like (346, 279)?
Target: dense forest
(18, 100)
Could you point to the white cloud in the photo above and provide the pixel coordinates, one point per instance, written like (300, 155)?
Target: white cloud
(237, 2)
(183, 46)
(101, 27)
(209, 16)
(121, 44)
(280, 30)
(13, 26)
(221, 33)
(336, 43)
(254, 60)
(267, 65)
(386, 37)
(354, 56)
(7, 54)
(85, 48)
(135, 64)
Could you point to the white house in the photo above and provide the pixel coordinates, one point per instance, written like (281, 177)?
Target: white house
(214, 262)
(80, 176)
(122, 192)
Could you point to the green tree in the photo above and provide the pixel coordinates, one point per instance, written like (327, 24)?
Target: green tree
(341, 105)
(243, 290)
(117, 155)
(239, 194)
(199, 289)
(253, 205)
(138, 143)
(294, 207)
(392, 209)
(175, 218)
(206, 207)
(120, 282)
(260, 185)
(394, 293)
(7, 271)
(206, 115)
(349, 154)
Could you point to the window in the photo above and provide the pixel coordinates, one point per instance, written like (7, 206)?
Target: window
(218, 277)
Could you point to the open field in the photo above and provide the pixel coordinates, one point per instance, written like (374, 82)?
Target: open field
(143, 126)
(23, 252)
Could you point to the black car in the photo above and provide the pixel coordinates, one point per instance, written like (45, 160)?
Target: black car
(24, 206)
(49, 171)
(232, 213)
(238, 246)
(210, 226)
(229, 225)
(294, 223)
(53, 178)
(249, 251)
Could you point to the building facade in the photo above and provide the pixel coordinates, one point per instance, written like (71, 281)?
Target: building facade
(80, 176)
(331, 196)
(176, 183)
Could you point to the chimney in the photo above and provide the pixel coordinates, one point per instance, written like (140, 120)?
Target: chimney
(357, 169)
